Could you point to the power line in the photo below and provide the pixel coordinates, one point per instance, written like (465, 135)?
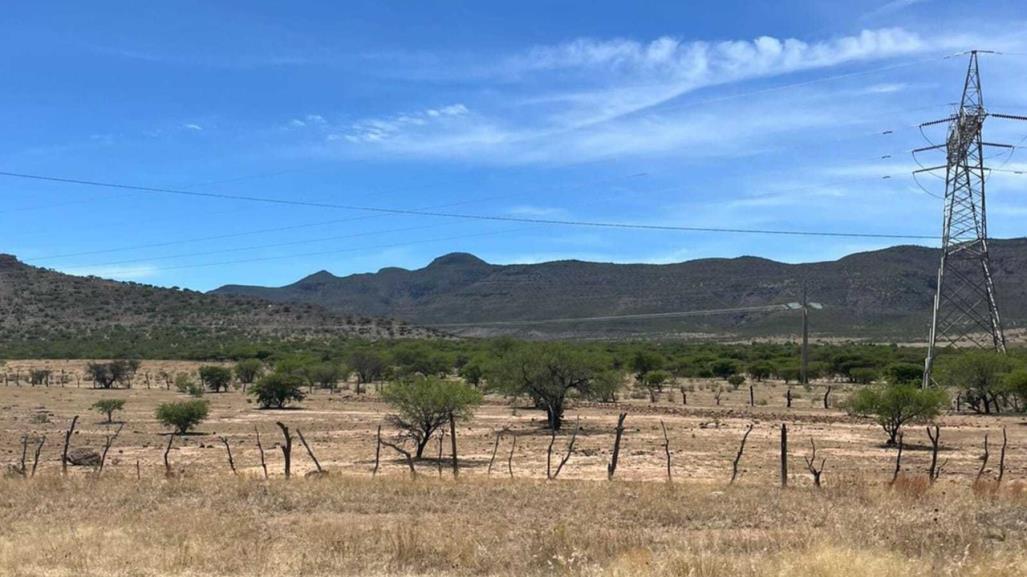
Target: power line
(463, 216)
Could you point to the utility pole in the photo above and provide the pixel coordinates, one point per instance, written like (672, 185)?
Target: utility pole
(964, 309)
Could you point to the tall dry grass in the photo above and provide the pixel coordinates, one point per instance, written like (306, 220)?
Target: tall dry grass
(224, 525)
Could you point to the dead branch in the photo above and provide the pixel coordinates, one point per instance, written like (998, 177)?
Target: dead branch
(405, 453)
(984, 459)
(811, 463)
(108, 441)
(612, 467)
(309, 451)
(570, 448)
(898, 461)
(738, 457)
(35, 458)
(260, 447)
(827, 395)
(495, 448)
(228, 449)
(167, 464)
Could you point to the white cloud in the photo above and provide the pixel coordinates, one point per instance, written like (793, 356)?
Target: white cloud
(193, 126)
(372, 130)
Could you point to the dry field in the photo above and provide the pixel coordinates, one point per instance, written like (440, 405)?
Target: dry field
(206, 522)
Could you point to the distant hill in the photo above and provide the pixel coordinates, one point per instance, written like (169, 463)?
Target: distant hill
(884, 294)
(40, 304)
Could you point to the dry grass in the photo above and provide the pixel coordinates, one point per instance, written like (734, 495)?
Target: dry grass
(206, 522)
(342, 525)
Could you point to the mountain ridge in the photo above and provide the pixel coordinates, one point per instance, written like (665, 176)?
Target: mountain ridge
(880, 294)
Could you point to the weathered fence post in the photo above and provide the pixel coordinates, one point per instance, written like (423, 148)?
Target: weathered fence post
(35, 458)
(495, 448)
(167, 464)
(935, 471)
(1002, 457)
(784, 455)
(898, 462)
(570, 448)
(984, 460)
(286, 448)
(377, 452)
(67, 441)
(452, 444)
(612, 467)
(811, 464)
(738, 457)
(509, 460)
(310, 452)
(666, 448)
(228, 449)
(107, 447)
(260, 447)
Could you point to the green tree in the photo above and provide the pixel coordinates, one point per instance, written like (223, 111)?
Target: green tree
(474, 370)
(215, 378)
(547, 373)
(1015, 385)
(247, 371)
(736, 381)
(892, 406)
(423, 404)
(724, 368)
(108, 406)
(183, 415)
(276, 390)
(644, 361)
(899, 373)
(978, 374)
(327, 375)
(656, 379)
(369, 365)
(759, 371)
(865, 375)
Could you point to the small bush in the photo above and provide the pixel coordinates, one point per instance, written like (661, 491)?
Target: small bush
(108, 406)
(183, 415)
(277, 390)
(215, 378)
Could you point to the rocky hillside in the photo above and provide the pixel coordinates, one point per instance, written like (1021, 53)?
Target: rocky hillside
(883, 294)
(38, 303)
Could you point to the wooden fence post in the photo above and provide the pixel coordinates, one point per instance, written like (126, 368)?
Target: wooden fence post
(452, 443)
(286, 448)
(67, 441)
(612, 467)
(784, 455)
(666, 448)
(228, 449)
(310, 452)
(260, 447)
(738, 457)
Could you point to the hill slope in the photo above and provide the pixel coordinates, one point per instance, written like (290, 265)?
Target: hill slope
(880, 294)
(40, 304)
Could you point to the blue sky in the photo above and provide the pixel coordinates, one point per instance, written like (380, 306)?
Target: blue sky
(672, 113)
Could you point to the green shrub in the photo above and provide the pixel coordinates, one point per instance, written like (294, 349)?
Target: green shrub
(895, 405)
(215, 378)
(183, 415)
(423, 404)
(276, 390)
(108, 406)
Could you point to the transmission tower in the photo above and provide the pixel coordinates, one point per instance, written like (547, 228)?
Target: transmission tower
(965, 312)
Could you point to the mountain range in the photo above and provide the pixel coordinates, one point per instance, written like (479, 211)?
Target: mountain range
(878, 295)
(42, 305)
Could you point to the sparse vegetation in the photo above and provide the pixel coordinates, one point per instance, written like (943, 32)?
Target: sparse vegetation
(896, 405)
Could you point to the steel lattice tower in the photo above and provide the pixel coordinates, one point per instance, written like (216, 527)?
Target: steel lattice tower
(965, 312)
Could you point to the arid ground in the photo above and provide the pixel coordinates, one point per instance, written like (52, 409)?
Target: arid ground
(204, 521)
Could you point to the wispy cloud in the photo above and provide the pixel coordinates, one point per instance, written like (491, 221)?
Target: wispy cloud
(591, 99)
(115, 272)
